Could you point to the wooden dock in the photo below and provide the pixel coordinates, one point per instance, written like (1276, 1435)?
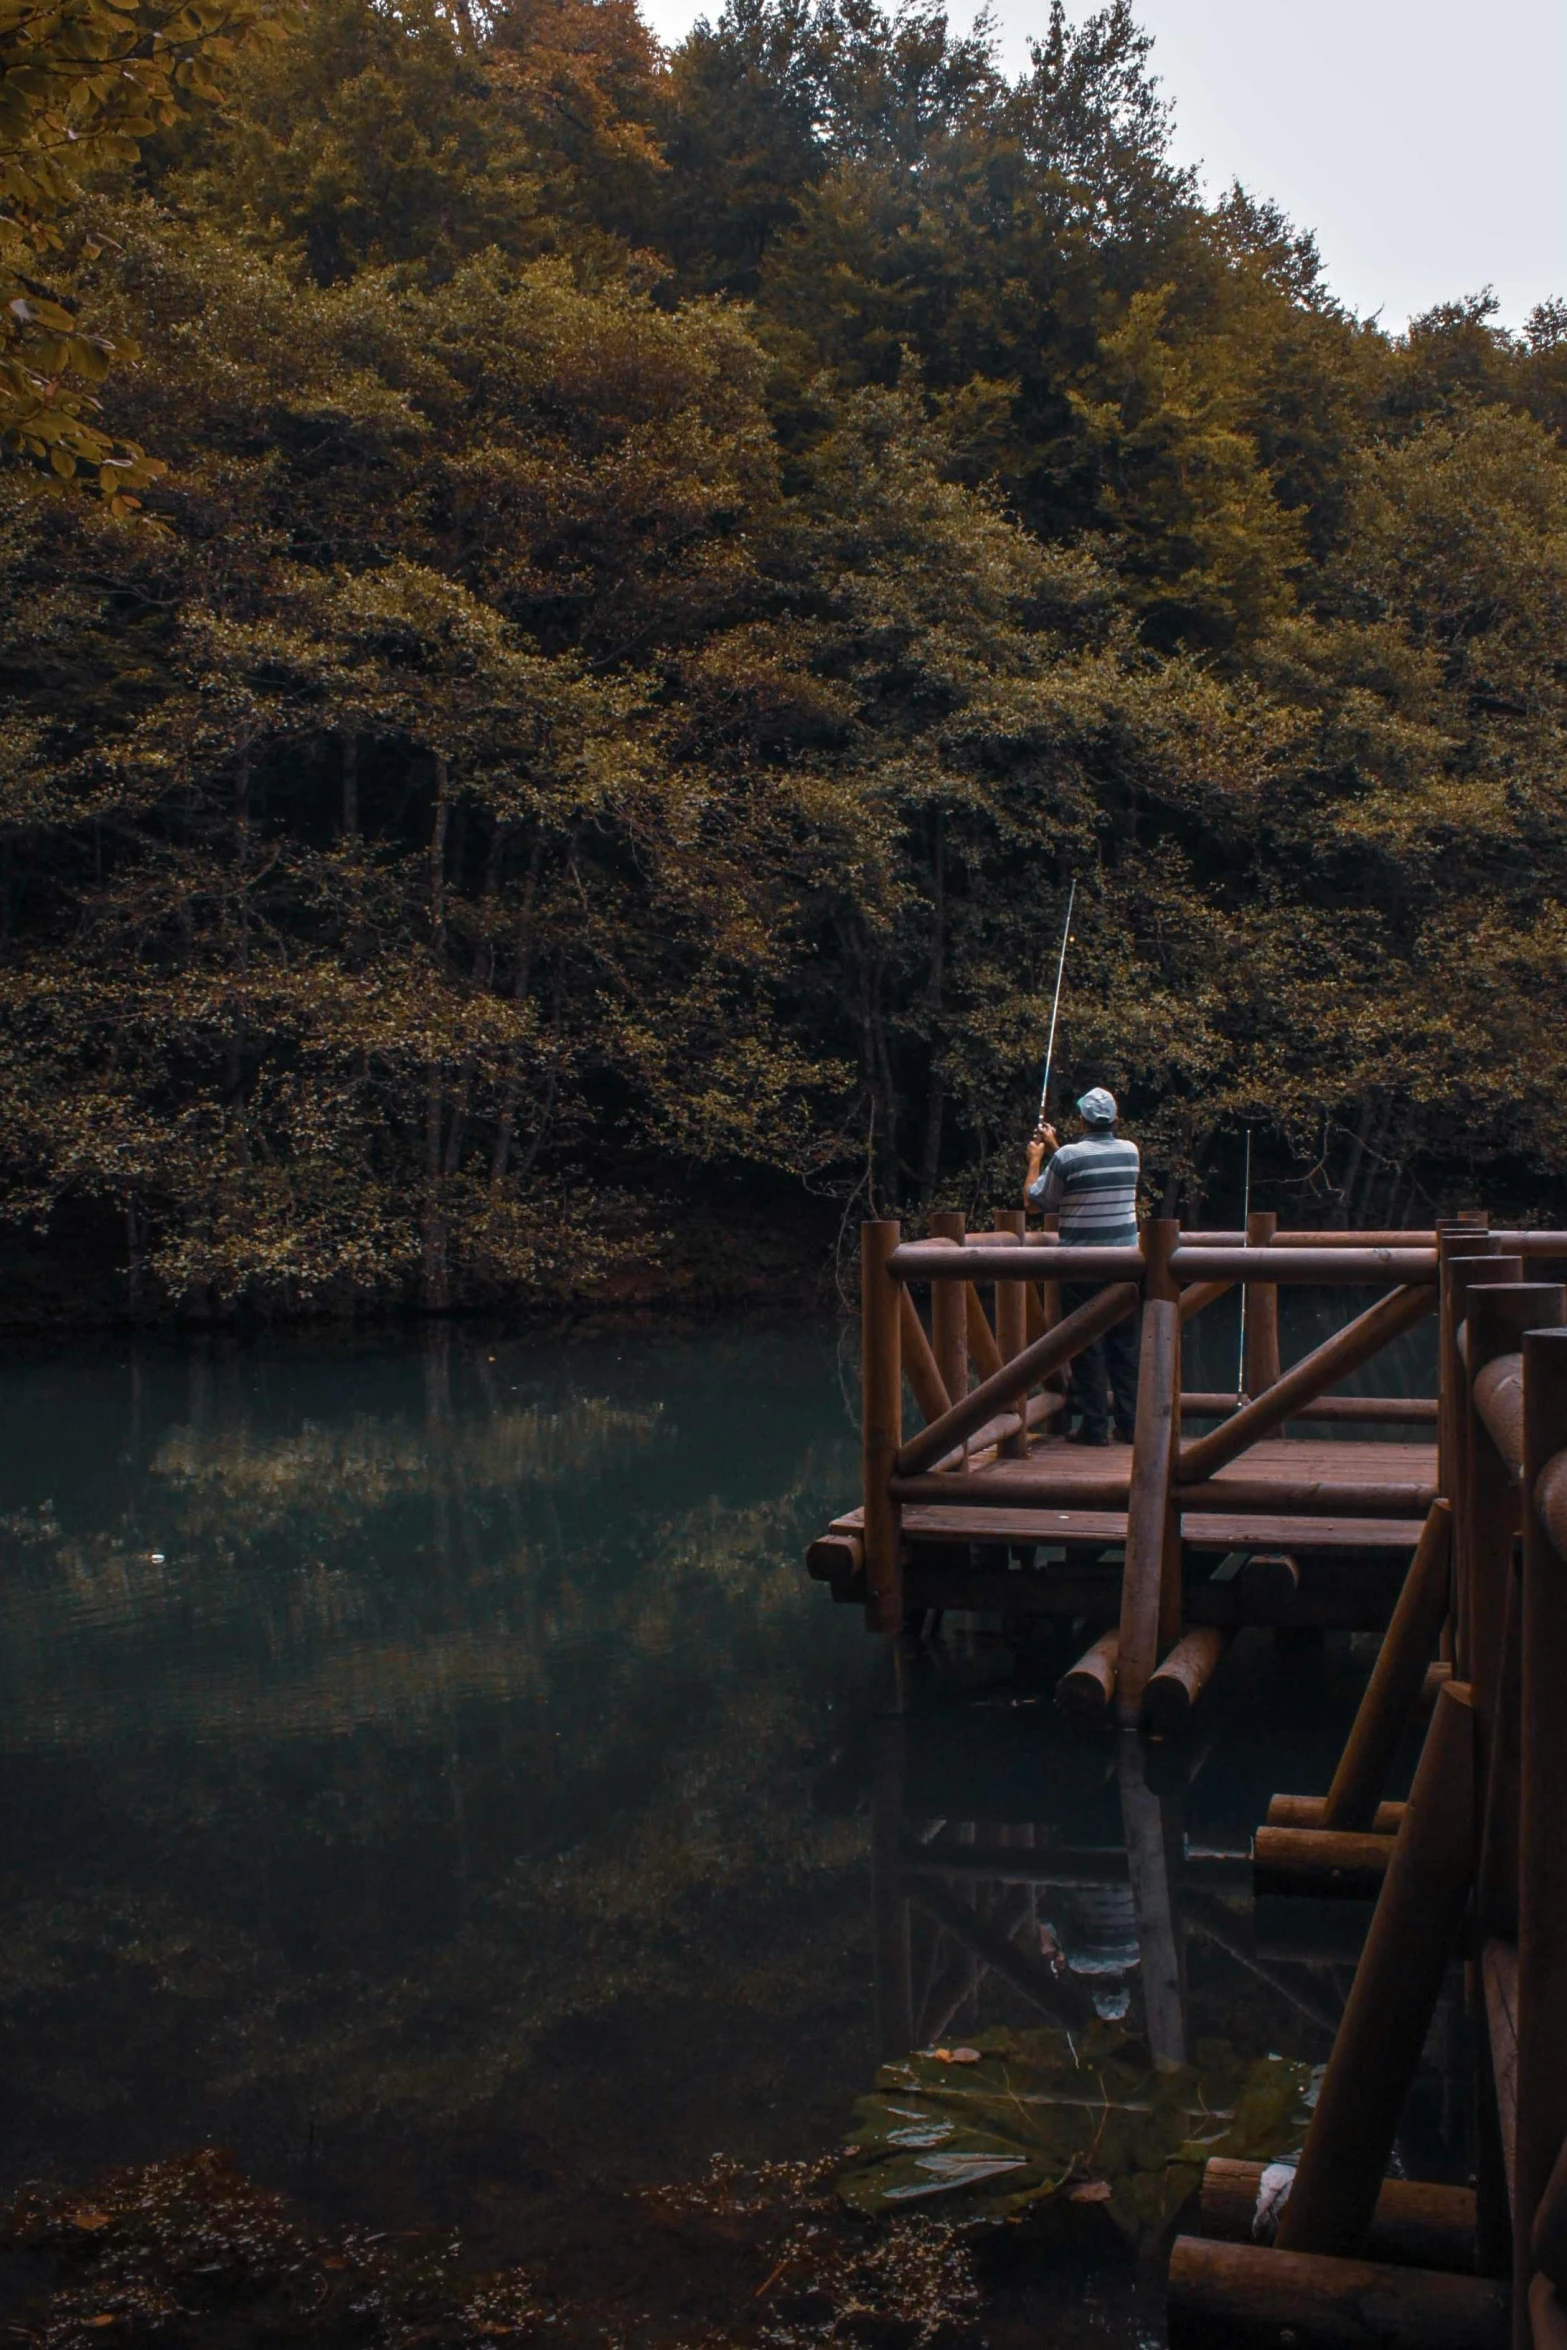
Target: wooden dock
(1451, 1540)
(1167, 1545)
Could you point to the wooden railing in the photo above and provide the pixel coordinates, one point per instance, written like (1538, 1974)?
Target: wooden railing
(1480, 1841)
(1173, 1275)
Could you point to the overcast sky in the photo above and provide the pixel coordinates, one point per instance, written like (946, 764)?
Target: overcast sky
(1422, 141)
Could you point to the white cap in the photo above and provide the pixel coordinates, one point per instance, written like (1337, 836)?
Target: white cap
(1098, 1107)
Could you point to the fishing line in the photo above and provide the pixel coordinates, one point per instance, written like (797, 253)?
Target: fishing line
(1050, 1043)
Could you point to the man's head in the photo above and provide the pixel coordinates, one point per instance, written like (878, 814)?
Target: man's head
(1097, 1109)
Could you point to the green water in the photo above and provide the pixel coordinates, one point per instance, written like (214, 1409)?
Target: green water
(429, 1774)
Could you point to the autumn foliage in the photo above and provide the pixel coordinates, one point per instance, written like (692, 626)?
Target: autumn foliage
(663, 567)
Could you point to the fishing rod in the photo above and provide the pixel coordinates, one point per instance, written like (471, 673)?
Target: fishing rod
(1240, 1368)
(1050, 1043)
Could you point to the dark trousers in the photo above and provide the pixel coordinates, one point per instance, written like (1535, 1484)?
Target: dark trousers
(1104, 1370)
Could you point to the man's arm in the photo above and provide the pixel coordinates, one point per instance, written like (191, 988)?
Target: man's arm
(1038, 1189)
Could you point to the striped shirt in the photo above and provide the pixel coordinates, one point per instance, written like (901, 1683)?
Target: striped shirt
(1093, 1183)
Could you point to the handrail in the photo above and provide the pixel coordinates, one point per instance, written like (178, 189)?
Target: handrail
(1399, 1410)
(1314, 1236)
(1403, 1266)
(998, 1260)
(1011, 1260)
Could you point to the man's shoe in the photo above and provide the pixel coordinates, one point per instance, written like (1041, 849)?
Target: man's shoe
(1089, 1436)
(1123, 1432)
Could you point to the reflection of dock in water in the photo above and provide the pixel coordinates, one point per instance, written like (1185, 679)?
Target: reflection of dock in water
(1079, 1920)
(1080, 1998)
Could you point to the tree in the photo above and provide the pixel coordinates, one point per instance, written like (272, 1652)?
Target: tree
(82, 84)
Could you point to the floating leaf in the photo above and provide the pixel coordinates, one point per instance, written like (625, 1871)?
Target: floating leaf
(1035, 2115)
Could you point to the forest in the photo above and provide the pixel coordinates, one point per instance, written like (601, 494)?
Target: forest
(570, 611)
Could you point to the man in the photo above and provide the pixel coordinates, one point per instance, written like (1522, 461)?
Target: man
(1092, 1185)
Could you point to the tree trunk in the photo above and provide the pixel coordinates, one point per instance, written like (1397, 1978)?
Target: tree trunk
(511, 1091)
(350, 750)
(936, 1096)
(1357, 1151)
(234, 1054)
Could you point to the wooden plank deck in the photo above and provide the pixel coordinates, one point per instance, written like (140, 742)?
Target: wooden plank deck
(1206, 1531)
(1067, 1504)
(1353, 1477)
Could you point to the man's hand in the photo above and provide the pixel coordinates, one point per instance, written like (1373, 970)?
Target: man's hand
(1044, 1140)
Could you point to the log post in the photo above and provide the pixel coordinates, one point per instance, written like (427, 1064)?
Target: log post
(1153, 1846)
(881, 1424)
(1262, 1312)
(1174, 1689)
(1542, 1801)
(1417, 2223)
(1050, 1291)
(1496, 1315)
(1088, 1686)
(1269, 1587)
(919, 1363)
(1393, 1691)
(1548, 2238)
(1305, 1811)
(1454, 1242)
(1251, 2297)
(982, 1347)
(948, 1311)
(1330, 1864)
(1161, 1237)
(1496, 1894)
(1012, 1328)
(1461, 1274)
(1393, 1997)
(1547, 2317)
(1151, 1579)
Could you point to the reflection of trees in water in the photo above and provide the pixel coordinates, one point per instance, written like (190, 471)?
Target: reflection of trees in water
(382, 1568)
(615, 1953)
(318, 1648)
(336, 1474)
(399, 1782)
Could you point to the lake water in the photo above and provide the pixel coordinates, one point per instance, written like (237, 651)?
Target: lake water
(429, 1777)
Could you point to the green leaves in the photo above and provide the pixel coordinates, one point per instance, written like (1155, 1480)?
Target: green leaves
(1042, 2118)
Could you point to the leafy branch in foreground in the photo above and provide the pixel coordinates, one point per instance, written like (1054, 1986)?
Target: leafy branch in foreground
(82, 84)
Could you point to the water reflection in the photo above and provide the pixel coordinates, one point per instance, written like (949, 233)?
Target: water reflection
(1078, 1999)
(429, 1773)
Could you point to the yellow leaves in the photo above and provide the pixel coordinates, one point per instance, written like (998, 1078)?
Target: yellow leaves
(63, 116)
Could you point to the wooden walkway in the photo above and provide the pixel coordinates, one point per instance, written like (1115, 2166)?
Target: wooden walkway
(1456, 1548)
